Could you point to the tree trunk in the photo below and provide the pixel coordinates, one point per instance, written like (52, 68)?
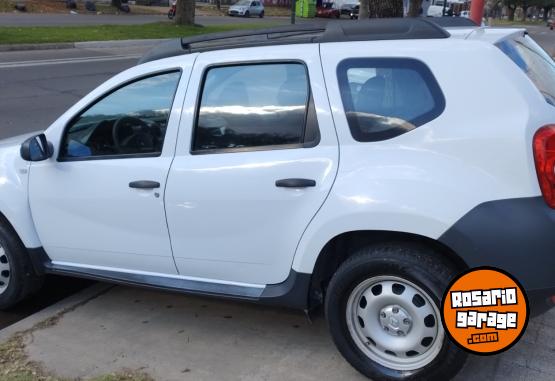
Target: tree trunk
(185, 12)
(386, 8)
(511, 13)
(524, 12)
(546, 13)
(363, 10)
(116, 3)
(414, 8)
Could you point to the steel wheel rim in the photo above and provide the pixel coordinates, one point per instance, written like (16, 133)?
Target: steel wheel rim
(388, 320)
(5, 270)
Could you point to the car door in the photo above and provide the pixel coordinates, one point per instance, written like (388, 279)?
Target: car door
(256, 158)
(99, 201)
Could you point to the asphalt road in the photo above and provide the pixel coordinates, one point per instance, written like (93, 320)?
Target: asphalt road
(35, 90)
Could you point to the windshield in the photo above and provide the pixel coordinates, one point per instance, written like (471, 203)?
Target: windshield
(534, 62)
(243, 2)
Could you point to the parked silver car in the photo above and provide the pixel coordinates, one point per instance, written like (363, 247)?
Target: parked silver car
(247, 8)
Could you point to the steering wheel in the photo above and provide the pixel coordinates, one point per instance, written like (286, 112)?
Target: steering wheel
(132, 135)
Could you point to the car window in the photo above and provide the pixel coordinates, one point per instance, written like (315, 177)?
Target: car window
(253, 106)
(533, 61)
(129, 121)
(386, 97)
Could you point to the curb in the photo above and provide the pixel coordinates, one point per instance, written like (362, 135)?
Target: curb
(82, 45)
(18, 47)
(63, 306)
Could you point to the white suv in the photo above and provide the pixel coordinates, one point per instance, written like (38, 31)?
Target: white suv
(360, 166)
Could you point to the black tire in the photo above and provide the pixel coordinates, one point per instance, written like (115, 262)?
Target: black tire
(261, 14)
(247, 14)
(414, 263)
(22, 281)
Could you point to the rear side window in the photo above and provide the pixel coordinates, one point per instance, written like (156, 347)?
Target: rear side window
(533, 61)
(386, 97)
(254, 107)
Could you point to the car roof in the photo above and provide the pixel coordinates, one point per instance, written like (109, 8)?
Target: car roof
(333, 31)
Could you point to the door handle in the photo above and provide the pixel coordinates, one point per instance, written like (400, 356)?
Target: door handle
(295, 183)
(144, 184)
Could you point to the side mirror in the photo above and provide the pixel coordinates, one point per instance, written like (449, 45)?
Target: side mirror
(36, 148)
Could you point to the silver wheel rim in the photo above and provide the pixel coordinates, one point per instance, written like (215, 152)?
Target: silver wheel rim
(394, 323)
(5, 272)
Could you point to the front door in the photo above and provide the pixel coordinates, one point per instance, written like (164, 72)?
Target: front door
(99, 203)
(256, 157)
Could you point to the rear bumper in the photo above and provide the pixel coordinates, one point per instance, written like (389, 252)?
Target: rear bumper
(516, 235)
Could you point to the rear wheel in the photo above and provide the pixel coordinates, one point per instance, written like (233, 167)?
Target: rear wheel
(261, 14)
(17, 278)
(382, 307)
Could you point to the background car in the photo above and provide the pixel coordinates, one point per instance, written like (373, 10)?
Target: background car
(247, 8)
(348, 7)
(328, 10)
(354, 12)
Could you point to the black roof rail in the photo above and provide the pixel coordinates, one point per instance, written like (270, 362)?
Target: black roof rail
(452, 22)
(333, 31)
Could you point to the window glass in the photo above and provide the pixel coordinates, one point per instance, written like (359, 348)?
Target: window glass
(533, 61)
(129, 121)
(252, 106)
(384, 98)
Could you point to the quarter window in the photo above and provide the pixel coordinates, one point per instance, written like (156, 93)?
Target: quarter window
(131, 120)
(534, 62)
(258, 106)
(387, 97)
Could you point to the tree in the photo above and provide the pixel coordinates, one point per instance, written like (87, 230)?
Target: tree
(381, 8)
(414, 8)
(546, 6)
(385, 8)
(185, 12)
(116, 3)
(363, 9)
(512, 5)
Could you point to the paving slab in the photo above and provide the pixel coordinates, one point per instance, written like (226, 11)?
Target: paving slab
(176, 337)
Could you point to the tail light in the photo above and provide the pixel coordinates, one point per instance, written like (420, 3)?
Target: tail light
(544, 156)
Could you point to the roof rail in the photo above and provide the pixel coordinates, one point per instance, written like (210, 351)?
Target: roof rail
(333, 31)
(452, 22)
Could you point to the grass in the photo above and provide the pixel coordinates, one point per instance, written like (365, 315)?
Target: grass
(27, 35)
(503, 22)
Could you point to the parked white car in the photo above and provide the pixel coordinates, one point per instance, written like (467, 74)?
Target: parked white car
(320, 168)
(247, 8)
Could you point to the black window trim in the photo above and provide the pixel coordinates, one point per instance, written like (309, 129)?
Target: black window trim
(309, 104)
(390, 63)
(128, 82)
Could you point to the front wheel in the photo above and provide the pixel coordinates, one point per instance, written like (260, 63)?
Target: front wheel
(247, 14)
(382, 308)
(17, 277)
(261, 14)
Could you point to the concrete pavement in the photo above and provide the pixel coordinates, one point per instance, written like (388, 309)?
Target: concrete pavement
(175, 337)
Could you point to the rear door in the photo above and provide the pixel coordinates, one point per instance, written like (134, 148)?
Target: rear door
(256, 157)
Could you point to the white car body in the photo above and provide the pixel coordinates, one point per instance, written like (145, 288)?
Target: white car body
(96, 214)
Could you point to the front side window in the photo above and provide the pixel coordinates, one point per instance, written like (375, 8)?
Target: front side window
(252, 106)
(534, 62)
(131, 120)
(386, 97)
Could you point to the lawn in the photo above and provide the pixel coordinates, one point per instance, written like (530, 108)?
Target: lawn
(26, 35)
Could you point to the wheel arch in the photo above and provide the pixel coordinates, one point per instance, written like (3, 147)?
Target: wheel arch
(343, 245)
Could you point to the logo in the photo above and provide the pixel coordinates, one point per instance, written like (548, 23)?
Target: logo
(485, 311)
